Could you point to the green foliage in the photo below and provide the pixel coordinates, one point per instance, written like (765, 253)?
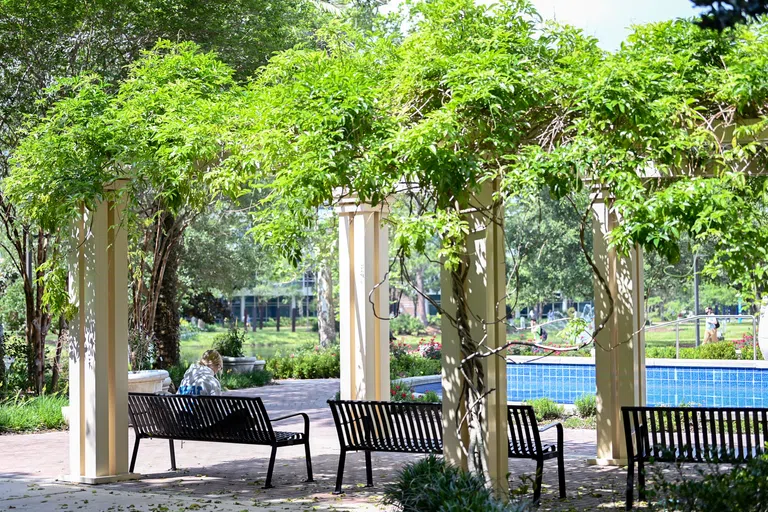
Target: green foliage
(719, 350)
(410, 365)
(586, 405)
(319, 363)
(16, 347)
(230, 344)
(406, 324)
(546, 409)
(744, 487)
(256, 378)
(26, 415)
(431, 485)
(542, 237)
(13, 307)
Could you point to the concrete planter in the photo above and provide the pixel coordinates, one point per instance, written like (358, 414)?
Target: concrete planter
(147, 381)
(242, 364)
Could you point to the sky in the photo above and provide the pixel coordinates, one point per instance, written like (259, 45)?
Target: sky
(610, 20)
(607, 20)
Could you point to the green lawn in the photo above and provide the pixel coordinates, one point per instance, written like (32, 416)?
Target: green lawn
(665, 336)
(263, 343)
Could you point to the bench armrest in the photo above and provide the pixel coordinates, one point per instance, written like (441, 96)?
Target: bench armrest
(302, 414)
(560, 434)
(551, 425)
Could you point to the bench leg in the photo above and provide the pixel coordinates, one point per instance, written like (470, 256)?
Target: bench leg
(272, 458)
(309, 462)
(135, 452)
(368, 470)
(561, 472)
(641, 480)
(537, 481)
(340, 473)
(173, 455)
(630, 484)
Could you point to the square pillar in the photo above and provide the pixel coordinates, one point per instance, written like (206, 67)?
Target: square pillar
(620, 346)
(485, 290)
(363, 301)
(98, 351)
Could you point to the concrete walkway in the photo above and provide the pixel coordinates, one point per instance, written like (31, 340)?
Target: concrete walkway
(229, 477)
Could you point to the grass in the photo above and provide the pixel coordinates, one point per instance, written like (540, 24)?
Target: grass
(263, 343)
(27, 415)
(666, 336)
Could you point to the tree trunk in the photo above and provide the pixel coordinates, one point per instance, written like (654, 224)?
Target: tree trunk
(277, 315)
(166, 326)
(37, 318)
(254, 314)
(421, 301)
(326, 318)
(56, 367)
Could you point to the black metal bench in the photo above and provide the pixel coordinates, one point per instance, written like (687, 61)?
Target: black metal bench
(417, 428)
(690, 434)
(221, 419)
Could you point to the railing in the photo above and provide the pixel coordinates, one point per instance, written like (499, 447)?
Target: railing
(697, 318)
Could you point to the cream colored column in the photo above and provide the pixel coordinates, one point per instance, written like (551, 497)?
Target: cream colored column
(620, 346)
(98, 352)
(486, 296)
(363, 326)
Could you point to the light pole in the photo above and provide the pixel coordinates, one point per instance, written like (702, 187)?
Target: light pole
(696, 296)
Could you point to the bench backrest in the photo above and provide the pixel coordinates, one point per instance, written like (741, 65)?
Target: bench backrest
(524, 437)
(205, 418)
(361, 422)
(696, 434)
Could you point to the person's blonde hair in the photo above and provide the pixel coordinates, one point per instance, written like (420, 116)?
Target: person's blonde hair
(212, 359)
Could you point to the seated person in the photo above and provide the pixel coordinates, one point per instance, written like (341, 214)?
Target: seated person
(200, 378)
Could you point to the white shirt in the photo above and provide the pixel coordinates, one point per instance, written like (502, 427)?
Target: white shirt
(199, 380)
(711, 321)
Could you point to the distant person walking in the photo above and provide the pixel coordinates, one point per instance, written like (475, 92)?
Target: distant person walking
(712, 326)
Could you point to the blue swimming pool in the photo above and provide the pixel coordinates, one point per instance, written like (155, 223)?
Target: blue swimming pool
(708, 384)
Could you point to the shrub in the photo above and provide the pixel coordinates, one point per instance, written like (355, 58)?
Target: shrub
(256, 378)
(406, 324)
(17, 348)
(434, 320)
(744, 488)
(410, 365)
(719, 350)
(430, 349)
(431, 397)
(401, 392)
(39, 413)
(660, 353)
(141, 348)
(306, 364)
(230, 344)
(546, 409)
(586, 405)
(397, 348)
(431, 485)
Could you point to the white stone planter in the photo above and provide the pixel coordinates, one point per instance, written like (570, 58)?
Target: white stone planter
(242, 364)
(147, 381)
(762, 329)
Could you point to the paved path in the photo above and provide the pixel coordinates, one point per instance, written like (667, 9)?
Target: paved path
(224, 477)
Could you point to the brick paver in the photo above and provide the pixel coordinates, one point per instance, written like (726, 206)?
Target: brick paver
(217, 476)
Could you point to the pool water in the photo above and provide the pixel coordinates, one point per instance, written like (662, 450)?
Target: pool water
(706, 386)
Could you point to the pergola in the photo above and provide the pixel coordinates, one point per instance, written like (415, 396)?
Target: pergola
(99, 347)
